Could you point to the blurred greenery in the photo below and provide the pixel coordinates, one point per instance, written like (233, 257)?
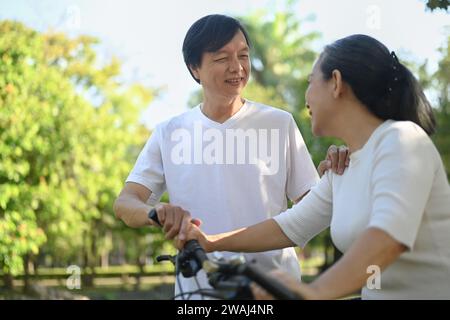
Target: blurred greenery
(437, 4)
(70, 133)
(64, 158)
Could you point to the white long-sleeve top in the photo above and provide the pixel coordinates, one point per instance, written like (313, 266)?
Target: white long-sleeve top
(397, 183)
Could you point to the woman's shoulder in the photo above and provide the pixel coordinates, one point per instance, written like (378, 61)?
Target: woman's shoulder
(403, 132)
(404, 137)
(403, 127)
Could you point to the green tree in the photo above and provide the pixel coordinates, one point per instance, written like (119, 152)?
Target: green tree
(437, 4)
(69, 134)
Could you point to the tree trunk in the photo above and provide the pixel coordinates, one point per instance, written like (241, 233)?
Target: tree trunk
(106, 253)
(26, 278)
(8, 281)
(94, 250)
(87, 278)
(105, 260)
(140, 261)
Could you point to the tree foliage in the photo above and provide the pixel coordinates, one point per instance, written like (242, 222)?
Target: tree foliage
(437, 4)
(69, 134)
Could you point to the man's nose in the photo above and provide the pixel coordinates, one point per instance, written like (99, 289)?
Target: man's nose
(235, 65)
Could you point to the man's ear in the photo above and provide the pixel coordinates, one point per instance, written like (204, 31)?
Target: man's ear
(195, 72)
(338, 85)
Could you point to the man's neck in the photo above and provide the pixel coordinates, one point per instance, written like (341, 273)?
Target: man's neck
(221, 111)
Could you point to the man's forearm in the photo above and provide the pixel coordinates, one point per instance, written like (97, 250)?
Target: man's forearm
(133, 212)
(263, 236)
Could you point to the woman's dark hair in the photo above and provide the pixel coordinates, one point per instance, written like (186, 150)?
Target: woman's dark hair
(209, 34)
(383, 84)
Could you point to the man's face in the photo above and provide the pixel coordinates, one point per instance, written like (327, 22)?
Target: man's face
(225, 73)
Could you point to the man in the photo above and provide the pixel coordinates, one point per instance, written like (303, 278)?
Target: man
(230, 162)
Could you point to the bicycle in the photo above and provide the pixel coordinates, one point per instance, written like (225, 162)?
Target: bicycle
(230, 279)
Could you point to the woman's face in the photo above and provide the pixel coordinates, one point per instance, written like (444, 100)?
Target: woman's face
(319, 101)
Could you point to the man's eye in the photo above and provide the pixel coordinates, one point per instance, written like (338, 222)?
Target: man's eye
(244, 56)
(220, 59)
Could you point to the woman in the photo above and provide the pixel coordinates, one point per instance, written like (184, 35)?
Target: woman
(390, 211)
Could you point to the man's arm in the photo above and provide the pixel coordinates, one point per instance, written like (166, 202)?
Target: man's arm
(130, 206)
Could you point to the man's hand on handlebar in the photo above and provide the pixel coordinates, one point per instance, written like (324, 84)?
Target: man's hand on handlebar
(174, 220)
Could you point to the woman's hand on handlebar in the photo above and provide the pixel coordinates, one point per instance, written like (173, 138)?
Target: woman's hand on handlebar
(193, 232)
(304, 291)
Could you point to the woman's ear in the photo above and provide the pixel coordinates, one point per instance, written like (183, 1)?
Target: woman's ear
(338, 85)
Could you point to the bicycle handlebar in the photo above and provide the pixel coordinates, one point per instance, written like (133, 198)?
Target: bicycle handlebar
(215, 271)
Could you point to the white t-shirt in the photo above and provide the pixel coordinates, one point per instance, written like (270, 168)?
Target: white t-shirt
(397, 183)
(230, 175)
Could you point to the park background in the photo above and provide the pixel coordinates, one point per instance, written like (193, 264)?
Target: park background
(82, 85)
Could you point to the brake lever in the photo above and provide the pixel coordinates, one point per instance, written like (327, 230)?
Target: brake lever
(166, 257)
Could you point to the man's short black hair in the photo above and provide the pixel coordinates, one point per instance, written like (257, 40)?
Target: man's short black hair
(209, 34)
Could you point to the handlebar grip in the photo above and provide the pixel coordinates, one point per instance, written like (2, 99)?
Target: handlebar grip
(198, 252)
(154, 216)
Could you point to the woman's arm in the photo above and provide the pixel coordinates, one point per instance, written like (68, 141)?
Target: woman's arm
(293, 227)
(373, 248)
(263, 236)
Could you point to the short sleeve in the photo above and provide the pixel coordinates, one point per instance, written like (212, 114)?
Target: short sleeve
(301, 172)
(402, 178)
(311, 215)
(148, 169)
